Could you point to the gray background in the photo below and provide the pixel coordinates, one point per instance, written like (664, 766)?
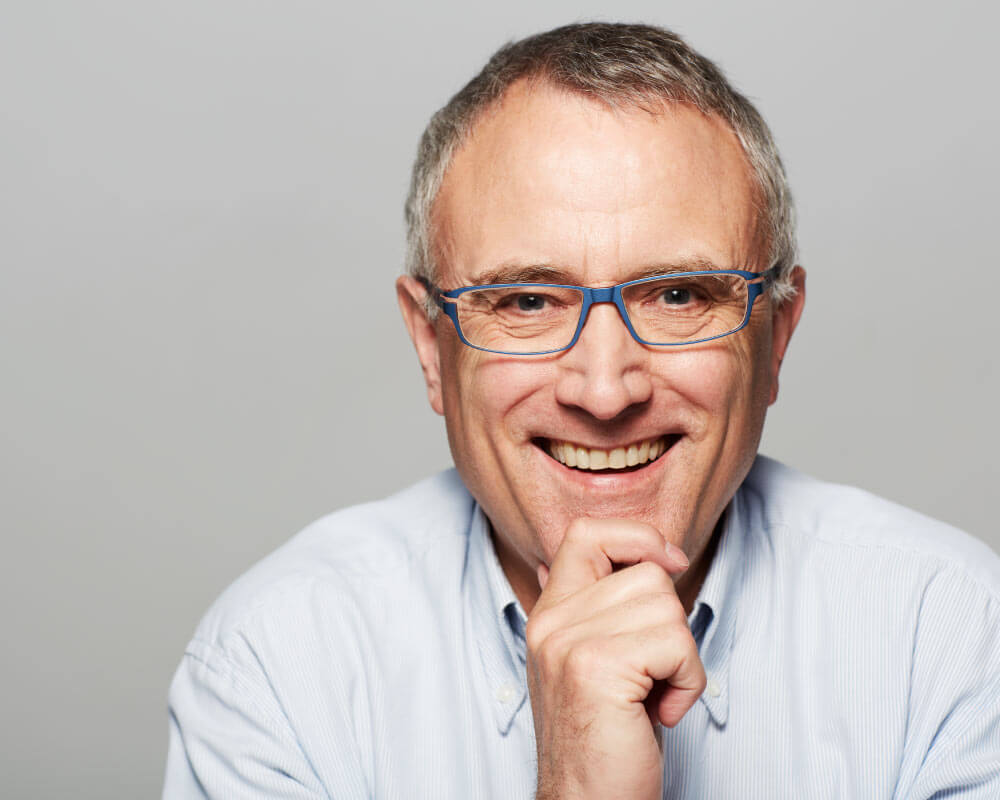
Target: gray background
(200, 222)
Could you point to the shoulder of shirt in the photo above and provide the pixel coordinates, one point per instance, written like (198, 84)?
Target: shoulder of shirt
(355, 554)
(814, 511)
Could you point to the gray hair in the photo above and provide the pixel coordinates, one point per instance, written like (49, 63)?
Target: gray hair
(637, 66)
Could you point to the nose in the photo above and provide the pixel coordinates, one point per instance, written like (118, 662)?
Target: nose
(607, 371)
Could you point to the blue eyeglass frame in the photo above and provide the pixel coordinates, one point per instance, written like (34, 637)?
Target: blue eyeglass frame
(757, 284)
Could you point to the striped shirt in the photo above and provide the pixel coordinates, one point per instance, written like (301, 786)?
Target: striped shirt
(852, 649)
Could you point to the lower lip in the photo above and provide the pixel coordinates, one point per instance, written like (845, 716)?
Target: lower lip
(610, 481)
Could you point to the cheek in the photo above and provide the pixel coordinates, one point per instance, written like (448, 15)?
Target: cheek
(713, 378)
(486, 393)
(725, 385)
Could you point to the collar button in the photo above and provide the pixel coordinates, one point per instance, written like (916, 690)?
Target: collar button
(505, 693)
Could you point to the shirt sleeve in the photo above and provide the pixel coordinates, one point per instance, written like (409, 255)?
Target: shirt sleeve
(228, 735)
(953, 747)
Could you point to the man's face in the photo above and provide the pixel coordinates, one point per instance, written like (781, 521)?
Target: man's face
(555, 180)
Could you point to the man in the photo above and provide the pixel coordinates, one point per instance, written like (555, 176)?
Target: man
(612, 596)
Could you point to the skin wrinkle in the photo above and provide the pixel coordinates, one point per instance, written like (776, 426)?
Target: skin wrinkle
(688, 195)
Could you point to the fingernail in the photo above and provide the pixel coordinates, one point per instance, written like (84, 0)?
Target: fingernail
(678, 555)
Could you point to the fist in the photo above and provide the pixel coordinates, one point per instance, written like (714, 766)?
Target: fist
(610, 658)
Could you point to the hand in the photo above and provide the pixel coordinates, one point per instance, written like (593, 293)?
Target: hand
(610, 657)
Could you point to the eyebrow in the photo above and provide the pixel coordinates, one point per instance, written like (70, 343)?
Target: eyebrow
(543, 273)
(692, 264)
(533, 273)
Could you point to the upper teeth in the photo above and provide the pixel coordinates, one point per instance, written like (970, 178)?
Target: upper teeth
(573, 455)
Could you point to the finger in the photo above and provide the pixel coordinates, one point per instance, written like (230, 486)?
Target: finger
(656, 665)
(671, 660)
(626, 587)
(684, 687)
(592, 547)
(543, 576)
(656, 611)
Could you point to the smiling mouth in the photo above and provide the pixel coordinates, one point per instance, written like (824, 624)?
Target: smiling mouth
(619, 459)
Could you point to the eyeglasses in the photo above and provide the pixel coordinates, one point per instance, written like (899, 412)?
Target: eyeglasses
(534, 319)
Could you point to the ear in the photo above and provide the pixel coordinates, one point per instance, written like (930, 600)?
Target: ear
(411, 295)
(786, 317)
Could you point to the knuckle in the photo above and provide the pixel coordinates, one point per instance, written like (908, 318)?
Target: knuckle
(536, 631)
(533, 636)
(641, 537)
(672, 611)
(667, 628)
(649, 535)
(664, 610)
(647, 571)
(697, 680)
(677, 629)
(653, 576)
(577, 530)
(701, 679)
(549, 650)
(582, 659)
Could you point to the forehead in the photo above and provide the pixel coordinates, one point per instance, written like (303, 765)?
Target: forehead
(551, 178)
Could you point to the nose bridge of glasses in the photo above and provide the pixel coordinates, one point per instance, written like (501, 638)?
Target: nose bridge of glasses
(602, 295)
(608, 294)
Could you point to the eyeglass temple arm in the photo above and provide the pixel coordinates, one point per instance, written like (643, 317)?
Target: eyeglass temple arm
(769, 276)
(432, 290)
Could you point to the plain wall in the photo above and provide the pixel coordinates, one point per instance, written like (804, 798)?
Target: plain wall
(200, 352)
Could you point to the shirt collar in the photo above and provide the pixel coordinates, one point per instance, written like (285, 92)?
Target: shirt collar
(498, 624)
(714, 617)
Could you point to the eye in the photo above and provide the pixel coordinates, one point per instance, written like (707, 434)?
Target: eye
(530, 302)
(676, 296)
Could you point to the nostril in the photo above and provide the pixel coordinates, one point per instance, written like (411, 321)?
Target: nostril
(605, 393)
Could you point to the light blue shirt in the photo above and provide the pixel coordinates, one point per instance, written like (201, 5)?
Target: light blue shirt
(852, 649)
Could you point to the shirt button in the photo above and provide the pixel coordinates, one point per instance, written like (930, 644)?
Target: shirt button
(713, 688)
(505, 693)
